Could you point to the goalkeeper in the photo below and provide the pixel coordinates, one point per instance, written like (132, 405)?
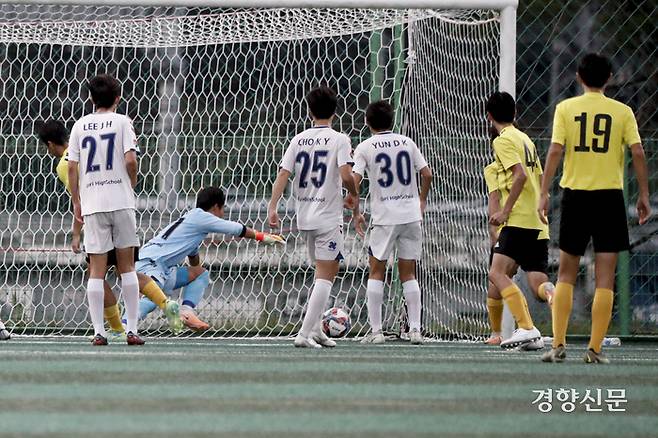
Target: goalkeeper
(162, 257)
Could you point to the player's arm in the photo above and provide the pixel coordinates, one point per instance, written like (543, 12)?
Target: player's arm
(425, 184)
(131, 166)
(74, 176)
(222, 226)
(77, 234)
(352, 200)
(277, 191)
(493, 207)
(130, 151)
(519, 178)
(642, 175)
(358, 170)
(553, 158)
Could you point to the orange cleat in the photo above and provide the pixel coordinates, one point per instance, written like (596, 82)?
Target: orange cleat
(191, 321)
(494, 340)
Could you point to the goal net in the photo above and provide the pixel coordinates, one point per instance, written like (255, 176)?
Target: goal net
(215, 96)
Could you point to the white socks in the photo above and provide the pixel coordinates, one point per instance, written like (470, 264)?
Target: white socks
(130, 293)
(316, 303)
(375, 294)
(411, 291)
(95, 292)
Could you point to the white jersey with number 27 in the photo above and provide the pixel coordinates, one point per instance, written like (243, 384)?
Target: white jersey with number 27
(391, 161)
(314, 157)
(98, 142)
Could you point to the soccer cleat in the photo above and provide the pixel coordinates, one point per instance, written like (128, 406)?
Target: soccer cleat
(172, 312)
(192, 321)
(322, 339)
(533, 346)
(494, 339)
(374, 338)
(557, 354)
(133, 339)
(415, 337)
(593, 357)
(519, 337)
(99, 340)
(116, 336)
(304, 342)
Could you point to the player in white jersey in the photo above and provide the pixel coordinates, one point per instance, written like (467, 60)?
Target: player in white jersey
(320, 159)
(102, 175)
(396, 207)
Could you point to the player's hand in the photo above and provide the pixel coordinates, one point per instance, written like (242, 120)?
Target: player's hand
(360, 225)
(273, 219)
(498, 218)
(270, 239)
(77, 212)
(423, 205)
(542, 208)
(75, 244)
(351, 201)
(643, 209)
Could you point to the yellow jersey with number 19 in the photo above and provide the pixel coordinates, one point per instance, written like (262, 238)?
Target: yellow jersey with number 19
(513, 147)
(594, 130)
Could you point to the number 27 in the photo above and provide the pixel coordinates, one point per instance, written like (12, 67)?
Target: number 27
(90, 142)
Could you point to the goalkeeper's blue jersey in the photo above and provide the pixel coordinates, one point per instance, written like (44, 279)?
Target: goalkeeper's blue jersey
(183, 237)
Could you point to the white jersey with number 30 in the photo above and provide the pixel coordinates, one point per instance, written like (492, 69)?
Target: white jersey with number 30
(98, 143)
(391, 161)
(314, 157)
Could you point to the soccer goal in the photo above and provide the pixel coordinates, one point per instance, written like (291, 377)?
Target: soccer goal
(216, 90)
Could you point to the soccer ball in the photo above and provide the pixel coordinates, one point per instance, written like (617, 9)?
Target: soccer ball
(336, 322)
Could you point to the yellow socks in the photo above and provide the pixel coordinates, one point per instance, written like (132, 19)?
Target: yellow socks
(562, 302)
(153, 292)
(601, 314)
(518, 306)
(113, 317)
(495, 314)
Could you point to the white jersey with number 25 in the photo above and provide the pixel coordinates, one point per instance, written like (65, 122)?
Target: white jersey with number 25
(98, 143)
(314, 157)
(391, 161)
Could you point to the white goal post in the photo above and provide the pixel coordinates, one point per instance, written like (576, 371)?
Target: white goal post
(215, 89)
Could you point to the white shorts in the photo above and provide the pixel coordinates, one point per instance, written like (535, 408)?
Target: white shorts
(325, 244)
(407, 238)
(108, 230)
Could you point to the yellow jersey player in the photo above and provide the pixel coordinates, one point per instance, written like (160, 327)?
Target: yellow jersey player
(498, 185)
(54, 135)
(515, 154)
(592, 132)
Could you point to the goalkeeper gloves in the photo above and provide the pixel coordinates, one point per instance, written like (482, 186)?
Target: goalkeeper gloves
(269, 239)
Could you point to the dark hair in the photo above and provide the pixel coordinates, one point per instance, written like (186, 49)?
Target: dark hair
(322, 102)
(501, 106)
(380, 115)
(53, 131)
(104, 90)
(209, 197)
(594, 70)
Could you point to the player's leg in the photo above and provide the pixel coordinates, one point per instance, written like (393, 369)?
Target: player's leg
(575, 234)
(124, 237)
(537, 269)
(112, 314)
(408, 242)
(195, 280)
(375, 298)
(511, 249)
(326, 248)
(155, 297)
(381, 244)
(98, 242)
(495, 307)
(4, 333)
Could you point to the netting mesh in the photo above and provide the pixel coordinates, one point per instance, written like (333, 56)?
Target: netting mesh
(215, 95)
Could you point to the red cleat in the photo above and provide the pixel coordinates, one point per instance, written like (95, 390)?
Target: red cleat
(99, 340)
(133, 339)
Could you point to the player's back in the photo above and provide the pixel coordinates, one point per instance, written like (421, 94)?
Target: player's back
(594, 130)
(512, 147)
(99, 142)
(315, 157)
(391, 161)
(183, 237)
